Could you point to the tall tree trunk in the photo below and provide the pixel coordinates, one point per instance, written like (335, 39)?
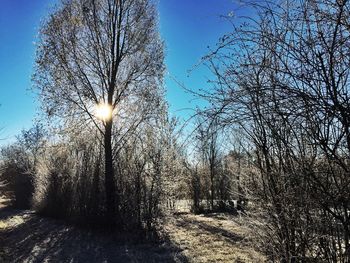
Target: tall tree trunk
(212, 187)
(109, 173)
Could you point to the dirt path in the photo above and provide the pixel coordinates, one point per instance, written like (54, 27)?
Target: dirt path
(26, 237)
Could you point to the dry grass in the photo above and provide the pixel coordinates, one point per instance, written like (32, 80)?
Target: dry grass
(4, 201)
(213, 238)
(26, 237)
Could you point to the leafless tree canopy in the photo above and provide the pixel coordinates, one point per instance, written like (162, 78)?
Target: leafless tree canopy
(283, 79)
(98, 51)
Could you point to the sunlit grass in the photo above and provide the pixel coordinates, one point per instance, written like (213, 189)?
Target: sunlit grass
(11, 222)
(212, 239)
(3, 225)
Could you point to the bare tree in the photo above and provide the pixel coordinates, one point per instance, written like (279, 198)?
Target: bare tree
(92, 57)
(282, 78)
(19, 163)
(209, 150)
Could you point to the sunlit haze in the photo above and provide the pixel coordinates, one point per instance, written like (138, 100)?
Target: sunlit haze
(103, 111)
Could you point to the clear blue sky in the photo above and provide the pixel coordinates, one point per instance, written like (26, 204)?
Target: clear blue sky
(187, 26)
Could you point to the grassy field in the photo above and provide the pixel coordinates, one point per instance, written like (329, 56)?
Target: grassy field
(212, 238)
(27, 237)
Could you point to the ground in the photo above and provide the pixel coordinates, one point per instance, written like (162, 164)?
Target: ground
(212, 238)
(27, 237)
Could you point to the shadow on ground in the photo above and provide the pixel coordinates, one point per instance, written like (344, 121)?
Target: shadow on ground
(26, 237)
(191, 223)
(215, 237)
(214, 230)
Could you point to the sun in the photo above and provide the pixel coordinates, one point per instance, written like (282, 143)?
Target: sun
(103, 111)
